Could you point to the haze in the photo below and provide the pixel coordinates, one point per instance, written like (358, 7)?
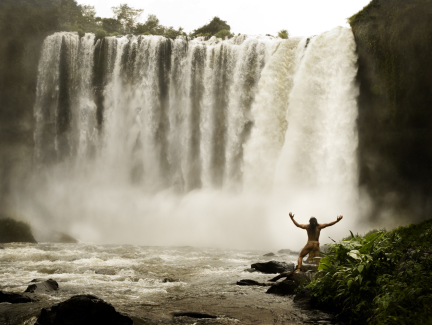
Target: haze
(300, 18)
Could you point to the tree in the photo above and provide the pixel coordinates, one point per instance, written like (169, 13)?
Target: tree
(223, 34)
(283, 34)
(111, 25)
(127, 16)
(215, 26)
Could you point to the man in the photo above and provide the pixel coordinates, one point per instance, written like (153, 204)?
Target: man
(313, 230)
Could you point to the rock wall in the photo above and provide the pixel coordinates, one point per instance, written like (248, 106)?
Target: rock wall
(394, 44)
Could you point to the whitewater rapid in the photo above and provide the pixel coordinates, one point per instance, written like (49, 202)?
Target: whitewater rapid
(143, 139)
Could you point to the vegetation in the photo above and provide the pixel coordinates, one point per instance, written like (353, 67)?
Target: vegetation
(283, 34)
(224, 33)
(380, 278)
(394, 42)
(15, 231)
(215, 26)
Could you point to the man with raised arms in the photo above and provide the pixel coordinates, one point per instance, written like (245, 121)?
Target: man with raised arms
(313, 230)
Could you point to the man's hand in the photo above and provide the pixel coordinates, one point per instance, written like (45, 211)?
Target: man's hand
(291, 215)
(339, 218)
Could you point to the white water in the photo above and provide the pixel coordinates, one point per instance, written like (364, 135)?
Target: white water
(211, 145)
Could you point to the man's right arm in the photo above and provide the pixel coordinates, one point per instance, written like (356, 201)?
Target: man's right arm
(296, 223)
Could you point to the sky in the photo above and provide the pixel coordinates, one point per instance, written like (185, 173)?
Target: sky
(299, 17)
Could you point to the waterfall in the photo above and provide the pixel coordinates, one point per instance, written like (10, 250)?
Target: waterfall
(162, 131)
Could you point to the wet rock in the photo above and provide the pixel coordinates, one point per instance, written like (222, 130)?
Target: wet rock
(293, 281)
(273, 267)
(165, 280)
(193, 315)
(269, 254)
(15, 231)
(247, 282)
(47, 286)
(283, 288)
(82, 310)
(309, 267)
(280, 276)
(251, 270)
(287, 251)
(16, 298)
(304, 299)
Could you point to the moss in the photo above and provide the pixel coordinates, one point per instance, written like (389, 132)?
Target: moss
(15, 231)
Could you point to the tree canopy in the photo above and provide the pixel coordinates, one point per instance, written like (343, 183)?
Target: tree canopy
(216, 25)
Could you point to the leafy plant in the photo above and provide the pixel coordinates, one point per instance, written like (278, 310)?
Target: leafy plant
(382, 277)
(283, 34)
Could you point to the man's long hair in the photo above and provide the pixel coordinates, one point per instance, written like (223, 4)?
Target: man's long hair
(313, 223)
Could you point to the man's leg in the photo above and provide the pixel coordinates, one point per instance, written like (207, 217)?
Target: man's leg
(303, 253)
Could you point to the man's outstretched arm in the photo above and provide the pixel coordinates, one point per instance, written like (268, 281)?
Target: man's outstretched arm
(324, 225)
(296, 223)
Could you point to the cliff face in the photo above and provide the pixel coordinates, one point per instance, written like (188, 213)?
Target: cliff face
(394, 44)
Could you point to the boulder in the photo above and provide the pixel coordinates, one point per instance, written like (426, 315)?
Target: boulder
(309, 267)
(12, 230)
(82, 310)
(287, 251)
(269, 254)
(304, 299)
(247, 282)
(193, 315)
(16, 298)
(41, 286)
(251, 270)
(283, 288)
(273, 267)
(293, 281)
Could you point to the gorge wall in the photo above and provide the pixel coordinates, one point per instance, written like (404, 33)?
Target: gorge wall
(394, 42)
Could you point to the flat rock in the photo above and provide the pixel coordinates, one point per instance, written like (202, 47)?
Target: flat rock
(16, 298)
(273, 267)
(47, 286)
(247, 282)
(82, 310)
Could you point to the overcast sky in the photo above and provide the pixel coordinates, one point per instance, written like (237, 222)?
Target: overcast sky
(299, 17)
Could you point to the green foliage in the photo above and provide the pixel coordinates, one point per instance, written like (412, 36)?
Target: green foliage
(283, 34)
(367, 278)
(216, 25)
(100, 33)
(223, 34)
(127, 16)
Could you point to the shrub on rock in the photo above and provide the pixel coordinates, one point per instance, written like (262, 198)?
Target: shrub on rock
(12, 230)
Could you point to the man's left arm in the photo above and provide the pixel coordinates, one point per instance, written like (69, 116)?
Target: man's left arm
(325, 225)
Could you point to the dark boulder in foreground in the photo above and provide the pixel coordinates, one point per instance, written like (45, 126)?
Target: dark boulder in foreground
(42, 286)
(12, 231)
(247, 282)
(273, 267)
(193, 315)
(16, 298)
(82, 310)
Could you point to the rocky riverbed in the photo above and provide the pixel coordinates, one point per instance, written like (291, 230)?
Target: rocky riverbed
(151, 285)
